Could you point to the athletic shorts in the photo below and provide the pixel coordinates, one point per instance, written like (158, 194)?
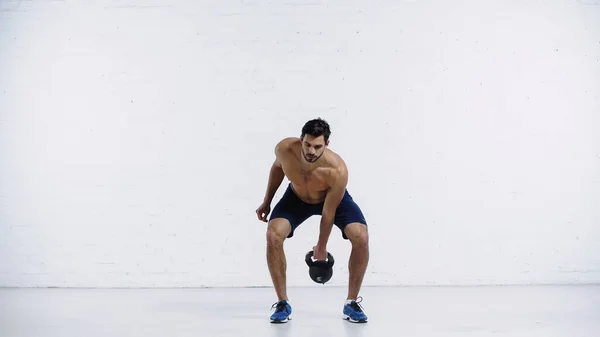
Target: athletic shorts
(297, 211)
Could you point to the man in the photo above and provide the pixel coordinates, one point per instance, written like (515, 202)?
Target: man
(318, 178)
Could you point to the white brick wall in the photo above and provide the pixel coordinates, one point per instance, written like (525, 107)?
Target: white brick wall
(136, 138)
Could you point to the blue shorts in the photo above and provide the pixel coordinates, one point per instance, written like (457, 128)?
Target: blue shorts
(296, 211)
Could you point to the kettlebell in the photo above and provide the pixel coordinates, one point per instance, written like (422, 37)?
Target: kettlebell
(320, 271)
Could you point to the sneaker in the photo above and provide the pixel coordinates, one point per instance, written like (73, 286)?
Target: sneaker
(354, 313)
(283, 312)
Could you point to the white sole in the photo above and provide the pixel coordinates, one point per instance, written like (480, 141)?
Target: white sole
(347, 318)
(289, 318)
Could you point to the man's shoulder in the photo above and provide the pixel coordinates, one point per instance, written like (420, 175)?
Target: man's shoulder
(335, 161)
(283, 147)
(286, 143)
(336, 169)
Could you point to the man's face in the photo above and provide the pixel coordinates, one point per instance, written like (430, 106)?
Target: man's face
(313, 147)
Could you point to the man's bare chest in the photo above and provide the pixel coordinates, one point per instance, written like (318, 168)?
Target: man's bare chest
(303, 177)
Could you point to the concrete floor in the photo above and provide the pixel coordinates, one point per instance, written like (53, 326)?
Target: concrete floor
(529, 311)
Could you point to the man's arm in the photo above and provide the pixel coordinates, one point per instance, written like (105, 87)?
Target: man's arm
(276, 176)
(332, 201)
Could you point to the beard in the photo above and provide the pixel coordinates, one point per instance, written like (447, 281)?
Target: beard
(309, 158)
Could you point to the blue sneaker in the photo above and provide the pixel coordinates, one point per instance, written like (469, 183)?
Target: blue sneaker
(354, 313)
(283, 312)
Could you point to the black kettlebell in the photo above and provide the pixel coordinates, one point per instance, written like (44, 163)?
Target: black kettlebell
(320, 271)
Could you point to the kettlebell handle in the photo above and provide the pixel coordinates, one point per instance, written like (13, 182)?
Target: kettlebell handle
(330, 261)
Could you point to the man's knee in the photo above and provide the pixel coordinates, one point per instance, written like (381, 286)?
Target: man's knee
(357, 233)
(277, 231)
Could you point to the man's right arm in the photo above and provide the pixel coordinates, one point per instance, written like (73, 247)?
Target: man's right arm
(276, 176)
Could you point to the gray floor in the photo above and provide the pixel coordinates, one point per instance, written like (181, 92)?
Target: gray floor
(546, 311)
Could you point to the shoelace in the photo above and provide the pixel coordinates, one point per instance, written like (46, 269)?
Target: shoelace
(279, 306)
(355, 304)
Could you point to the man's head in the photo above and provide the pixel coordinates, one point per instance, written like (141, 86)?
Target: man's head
(315, 139)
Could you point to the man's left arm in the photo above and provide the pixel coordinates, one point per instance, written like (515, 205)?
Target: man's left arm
(332, 201)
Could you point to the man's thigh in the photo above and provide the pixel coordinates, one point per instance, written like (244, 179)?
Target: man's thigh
(348, 212)
(292, 209)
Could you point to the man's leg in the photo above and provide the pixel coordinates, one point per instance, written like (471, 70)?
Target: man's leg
(287, 215)
(350, 219)
(277, 231)
(358, 235)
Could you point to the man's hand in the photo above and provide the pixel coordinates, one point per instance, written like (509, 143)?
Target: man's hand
(263, 211)
(319, 253)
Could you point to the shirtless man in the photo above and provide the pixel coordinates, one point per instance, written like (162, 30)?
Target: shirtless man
(318, 178)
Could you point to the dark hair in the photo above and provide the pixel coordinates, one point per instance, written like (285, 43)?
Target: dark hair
(316, 127)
